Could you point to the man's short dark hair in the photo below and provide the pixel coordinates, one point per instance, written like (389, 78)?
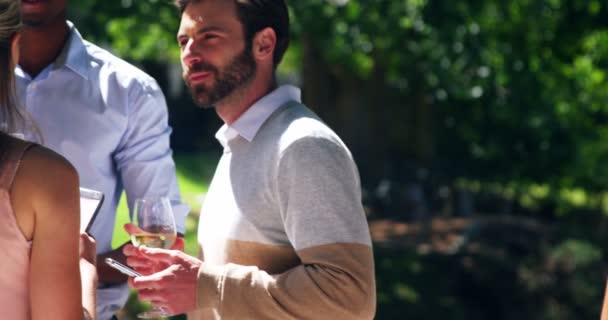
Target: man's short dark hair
(255, 15)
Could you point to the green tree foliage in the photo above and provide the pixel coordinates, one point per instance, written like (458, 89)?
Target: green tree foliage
(519, 86)
(137, 30)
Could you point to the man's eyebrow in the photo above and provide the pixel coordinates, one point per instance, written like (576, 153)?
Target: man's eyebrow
(209, 28)
(203, 30)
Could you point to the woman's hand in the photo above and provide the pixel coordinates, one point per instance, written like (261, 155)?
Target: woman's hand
(88, 274)
(88, 257)
(88, 248)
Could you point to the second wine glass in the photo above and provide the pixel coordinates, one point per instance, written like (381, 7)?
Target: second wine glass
(155, 222)
(156, 229)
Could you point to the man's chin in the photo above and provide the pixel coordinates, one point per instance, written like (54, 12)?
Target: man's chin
(201, 97)
(205, 106)
(203, 102)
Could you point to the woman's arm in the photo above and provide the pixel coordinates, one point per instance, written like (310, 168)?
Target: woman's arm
(50, 184)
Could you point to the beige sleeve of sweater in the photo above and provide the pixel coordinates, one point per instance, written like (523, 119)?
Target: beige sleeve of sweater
(334, 281)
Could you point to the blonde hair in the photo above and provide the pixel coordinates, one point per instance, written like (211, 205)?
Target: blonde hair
(10, 24)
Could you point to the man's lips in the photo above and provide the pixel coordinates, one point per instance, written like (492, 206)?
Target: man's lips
(199, 76)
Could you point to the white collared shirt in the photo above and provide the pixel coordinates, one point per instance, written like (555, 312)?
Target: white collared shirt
(248, 124)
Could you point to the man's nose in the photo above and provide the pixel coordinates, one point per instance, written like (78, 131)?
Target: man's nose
(190, 55)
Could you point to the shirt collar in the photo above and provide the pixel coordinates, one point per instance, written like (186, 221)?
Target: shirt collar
(250, 122)
(74, 54)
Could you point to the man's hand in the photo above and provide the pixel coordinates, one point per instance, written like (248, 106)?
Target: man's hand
(110, 275)
(146, 266)
(173, 288)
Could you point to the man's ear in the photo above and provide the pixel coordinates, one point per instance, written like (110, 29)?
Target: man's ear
(264, 44)
(15, 48)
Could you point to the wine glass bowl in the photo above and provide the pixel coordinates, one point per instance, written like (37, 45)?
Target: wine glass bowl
(155, 222)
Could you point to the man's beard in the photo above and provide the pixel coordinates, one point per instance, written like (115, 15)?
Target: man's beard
(237, 73)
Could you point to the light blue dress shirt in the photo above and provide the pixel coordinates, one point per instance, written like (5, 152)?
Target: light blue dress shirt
(110, 120)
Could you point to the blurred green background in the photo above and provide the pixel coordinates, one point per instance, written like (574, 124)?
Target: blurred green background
(480, 129)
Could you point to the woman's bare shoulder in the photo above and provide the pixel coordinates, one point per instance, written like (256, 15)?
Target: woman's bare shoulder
(44, 165)
(45, 185)
(46, 175)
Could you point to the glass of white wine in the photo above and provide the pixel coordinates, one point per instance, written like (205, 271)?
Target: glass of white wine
(156, 223)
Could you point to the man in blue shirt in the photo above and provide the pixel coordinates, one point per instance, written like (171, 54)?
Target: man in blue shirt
(108, 118)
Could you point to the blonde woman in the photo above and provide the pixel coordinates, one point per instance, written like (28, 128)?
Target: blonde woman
(40, 260)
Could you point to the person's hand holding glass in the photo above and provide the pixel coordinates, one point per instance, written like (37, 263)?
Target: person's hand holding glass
(153, 226)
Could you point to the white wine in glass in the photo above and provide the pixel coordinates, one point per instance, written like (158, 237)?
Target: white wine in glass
(156, 237)
(156, 223)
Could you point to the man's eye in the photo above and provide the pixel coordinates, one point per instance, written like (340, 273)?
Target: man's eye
(210, 36)
(182, 43)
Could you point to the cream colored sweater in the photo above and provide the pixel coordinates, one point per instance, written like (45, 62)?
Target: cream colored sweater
(282, 231)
